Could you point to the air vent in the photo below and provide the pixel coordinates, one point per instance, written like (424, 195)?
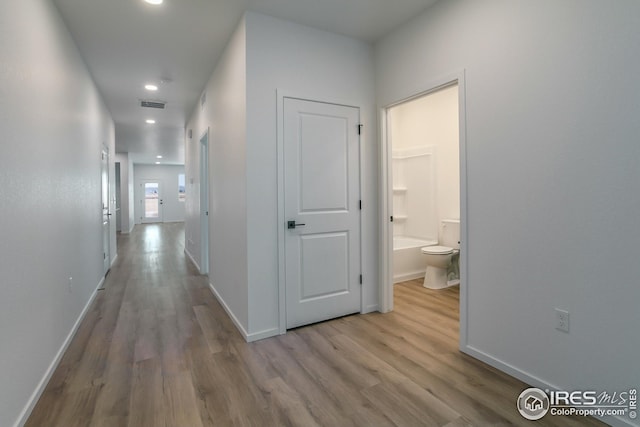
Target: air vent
(153, 104)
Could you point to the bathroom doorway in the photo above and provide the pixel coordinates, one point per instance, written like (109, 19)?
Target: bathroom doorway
(424, 177)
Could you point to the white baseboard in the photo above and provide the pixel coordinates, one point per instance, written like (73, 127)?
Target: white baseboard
(408, 276)
(371, 308)
(234, 319)
(186, 251)
(534, 381)
(267, 333)
(113, 261)
(35, 396)
(128, 231)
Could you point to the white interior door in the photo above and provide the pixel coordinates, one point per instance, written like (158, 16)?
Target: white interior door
(151, 201)
(106, 214)
(322, 208)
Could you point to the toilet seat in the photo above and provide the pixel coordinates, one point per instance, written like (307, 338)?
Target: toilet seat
(437, 250)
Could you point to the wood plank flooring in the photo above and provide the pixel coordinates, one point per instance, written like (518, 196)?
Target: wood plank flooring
(157, 349)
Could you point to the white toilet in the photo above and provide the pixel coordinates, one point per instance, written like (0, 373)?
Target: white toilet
(439, 257)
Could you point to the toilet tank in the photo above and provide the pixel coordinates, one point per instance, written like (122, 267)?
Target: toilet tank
(450, 233)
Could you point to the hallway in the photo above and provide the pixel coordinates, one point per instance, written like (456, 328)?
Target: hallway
(156, 349)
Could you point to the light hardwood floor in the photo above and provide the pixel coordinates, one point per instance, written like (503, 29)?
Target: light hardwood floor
(157, 349)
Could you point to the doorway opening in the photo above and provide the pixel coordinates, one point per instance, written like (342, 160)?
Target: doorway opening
(204, 203)
(118, 198)
(424, 194)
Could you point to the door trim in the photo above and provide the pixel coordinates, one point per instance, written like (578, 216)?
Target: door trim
(386, 228)
(204, 196)
(280, 97)
(106, 240)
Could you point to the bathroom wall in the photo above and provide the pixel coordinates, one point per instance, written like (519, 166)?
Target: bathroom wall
(414, 193)
(428, 124)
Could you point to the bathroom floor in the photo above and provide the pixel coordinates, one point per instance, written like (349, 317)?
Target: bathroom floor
(442, 301)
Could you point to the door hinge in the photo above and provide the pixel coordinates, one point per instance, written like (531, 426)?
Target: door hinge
(361, 279)
(360, 204)
(104, 255)
(391, 218)
(360, 129)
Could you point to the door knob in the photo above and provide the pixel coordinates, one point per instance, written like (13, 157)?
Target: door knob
(292, 224)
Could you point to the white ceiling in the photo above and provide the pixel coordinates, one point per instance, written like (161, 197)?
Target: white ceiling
(128, 43)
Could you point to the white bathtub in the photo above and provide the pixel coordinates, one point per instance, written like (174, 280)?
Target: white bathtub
(408, 261)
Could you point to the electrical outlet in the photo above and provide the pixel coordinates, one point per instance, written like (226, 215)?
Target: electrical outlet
(562, 320)
(70, 288)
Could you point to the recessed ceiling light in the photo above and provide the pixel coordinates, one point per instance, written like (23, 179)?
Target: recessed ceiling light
(158, 157)
(151, 87)
(154, 1)
(157, 163)
(151, 121)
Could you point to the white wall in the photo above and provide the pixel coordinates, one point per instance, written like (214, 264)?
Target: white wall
(552, 151)
(431, 120)
(173, 209)
(127, 203)
(224, 113)
(303, 62)
(264, 55)
(53, 124)
(192, 203)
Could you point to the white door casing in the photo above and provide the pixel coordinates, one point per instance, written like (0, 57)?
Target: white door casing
(386, 196)
(106, 213)
(204, 203)
(322, 211)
